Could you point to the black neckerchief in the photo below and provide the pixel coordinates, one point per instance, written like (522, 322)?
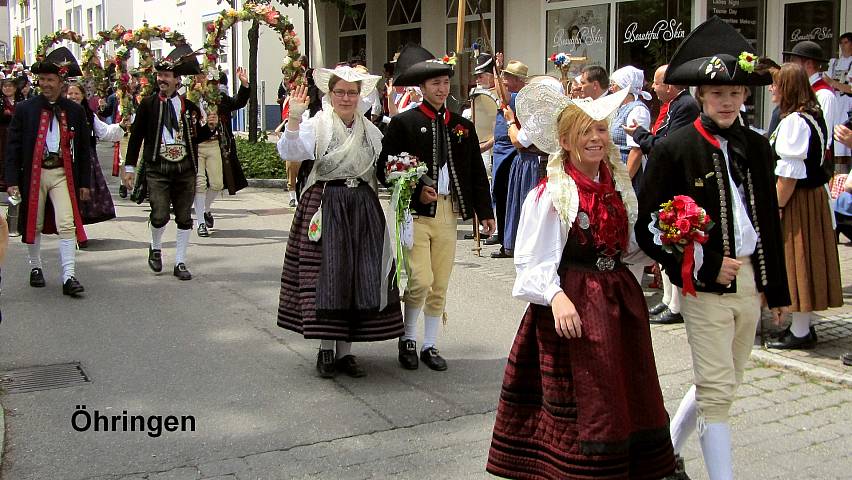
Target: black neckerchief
(736, 138)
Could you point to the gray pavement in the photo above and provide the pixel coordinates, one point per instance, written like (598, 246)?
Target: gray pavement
(153, 345)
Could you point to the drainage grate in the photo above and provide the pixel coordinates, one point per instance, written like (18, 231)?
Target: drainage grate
(46, 377)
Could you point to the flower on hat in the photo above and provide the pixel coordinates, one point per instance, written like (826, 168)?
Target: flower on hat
(747, 61)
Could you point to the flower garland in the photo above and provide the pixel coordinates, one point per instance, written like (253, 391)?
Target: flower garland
(292, 68)
(52, 39)
(138, 39)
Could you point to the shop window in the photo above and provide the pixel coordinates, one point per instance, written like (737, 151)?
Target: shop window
(814, 21)
(401, 12)
(578, 32)
(649, 31)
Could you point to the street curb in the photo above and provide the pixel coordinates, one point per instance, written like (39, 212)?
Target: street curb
(2, 434)
(267, 183)
(803, 368)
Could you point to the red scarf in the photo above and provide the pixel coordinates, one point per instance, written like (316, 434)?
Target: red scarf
(603, 204)
(664, 111)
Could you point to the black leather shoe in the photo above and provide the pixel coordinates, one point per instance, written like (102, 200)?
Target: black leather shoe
(36, 278)
(348, 365)
(122, 191)
(155, 259)
(502, 253)
(492, 240)
(667, 318)
(846, 358)
(325, 363)
(408, 354)
(72, 287)
(788, 341)
(202, 230)
(430, 357)
(181, 272)
(657, 309)
(208, 219)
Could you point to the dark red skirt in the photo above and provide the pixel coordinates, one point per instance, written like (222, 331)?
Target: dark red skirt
(589, 407)
(297, 309)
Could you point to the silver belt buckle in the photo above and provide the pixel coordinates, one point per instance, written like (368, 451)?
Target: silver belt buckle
(605, 264)
(352, 182)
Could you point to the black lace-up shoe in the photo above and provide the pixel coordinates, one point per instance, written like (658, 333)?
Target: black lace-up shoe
(181, 272)
(408, 354)
(36, 278)
(657, 309)
(430, 357)
(348, 365)
(325, 363)
(72, 287)
(155, 259)
(788, 341)
(208, 219)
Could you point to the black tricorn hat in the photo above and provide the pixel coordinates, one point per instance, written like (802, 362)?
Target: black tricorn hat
(60, 62)
(181, 61)
(415, 65)
(807, 49)
(483, 64)
(716, 54)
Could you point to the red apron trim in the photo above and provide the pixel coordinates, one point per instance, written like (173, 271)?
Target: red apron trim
(65, 139)
(704, 133)
(35, 176)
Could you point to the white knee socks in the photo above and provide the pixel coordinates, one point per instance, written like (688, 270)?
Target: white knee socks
(716, 447)
(67, 254)
(327, 344)
(411, 316)
(433, 324)
(674, 303)
(200, 199)
(182, 244)
(210, 197)
(343, 348)
(801, 325)
(157, 237)
(34, 252)
(684, 421)
(667, 289)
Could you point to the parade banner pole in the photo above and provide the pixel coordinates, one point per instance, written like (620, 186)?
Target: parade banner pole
(460, 27)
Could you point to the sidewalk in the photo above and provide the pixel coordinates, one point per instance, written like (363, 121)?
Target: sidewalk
(833, 327)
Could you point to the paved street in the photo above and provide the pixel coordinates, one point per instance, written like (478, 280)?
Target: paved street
(152, 345)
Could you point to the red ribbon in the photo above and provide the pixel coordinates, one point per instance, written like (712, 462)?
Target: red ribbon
(686, 269)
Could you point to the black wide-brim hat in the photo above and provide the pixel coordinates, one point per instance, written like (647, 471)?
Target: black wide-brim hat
(483, 64)
(715, 54)
(60, 62)
(415, 65)
(807, 49)
(182, 61)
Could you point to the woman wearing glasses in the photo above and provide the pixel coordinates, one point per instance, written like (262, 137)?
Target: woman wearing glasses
(337, 283)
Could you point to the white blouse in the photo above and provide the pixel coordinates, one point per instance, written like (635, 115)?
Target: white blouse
(299, 145)
(791, 141)
(538, 250)
(106, 132)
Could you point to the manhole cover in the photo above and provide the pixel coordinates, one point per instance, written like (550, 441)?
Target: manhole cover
(47, 377)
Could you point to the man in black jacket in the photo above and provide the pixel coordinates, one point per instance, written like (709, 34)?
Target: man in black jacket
(455, 183)
(48, 166)
(170, 127)
(678, 109)
(218, 165)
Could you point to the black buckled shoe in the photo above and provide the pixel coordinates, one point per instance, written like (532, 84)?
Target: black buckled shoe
(667, 318)
(155, 259)
(408, 354)
(430, 357)
(788, 341)
(657, 309)
(72, 287)
(325, 363)
(208, 219)
(181, 272)
(348, 365)
(36, 278)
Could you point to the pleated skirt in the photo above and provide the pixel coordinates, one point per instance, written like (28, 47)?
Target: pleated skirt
(330, 288)
(810, 251)
(523, 177)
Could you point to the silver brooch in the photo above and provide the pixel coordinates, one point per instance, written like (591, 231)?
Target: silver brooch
(422, 129)
(583, 220)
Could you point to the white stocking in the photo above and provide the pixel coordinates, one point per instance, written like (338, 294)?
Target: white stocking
(684, 421)
(157, 237)
(199, 207)
(411, 316)
(34, 252)
(667, 288)
(343, 348)
(433, 324)
(211, 196)
(801, 325)
(182, 244)
(716, 447)
(67, 254)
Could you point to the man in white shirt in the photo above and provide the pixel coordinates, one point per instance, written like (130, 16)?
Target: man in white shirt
(839, 77)
(810, 57)
(594, 82)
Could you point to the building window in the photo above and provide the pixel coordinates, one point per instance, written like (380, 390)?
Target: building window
(59, 24)
(401, 12)
(404, 18)
(353, 33)
(68, 19)
(399, 38)
(99, 20)
(90, 22)
(814, 21)
(649, 31)
(581, 32)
